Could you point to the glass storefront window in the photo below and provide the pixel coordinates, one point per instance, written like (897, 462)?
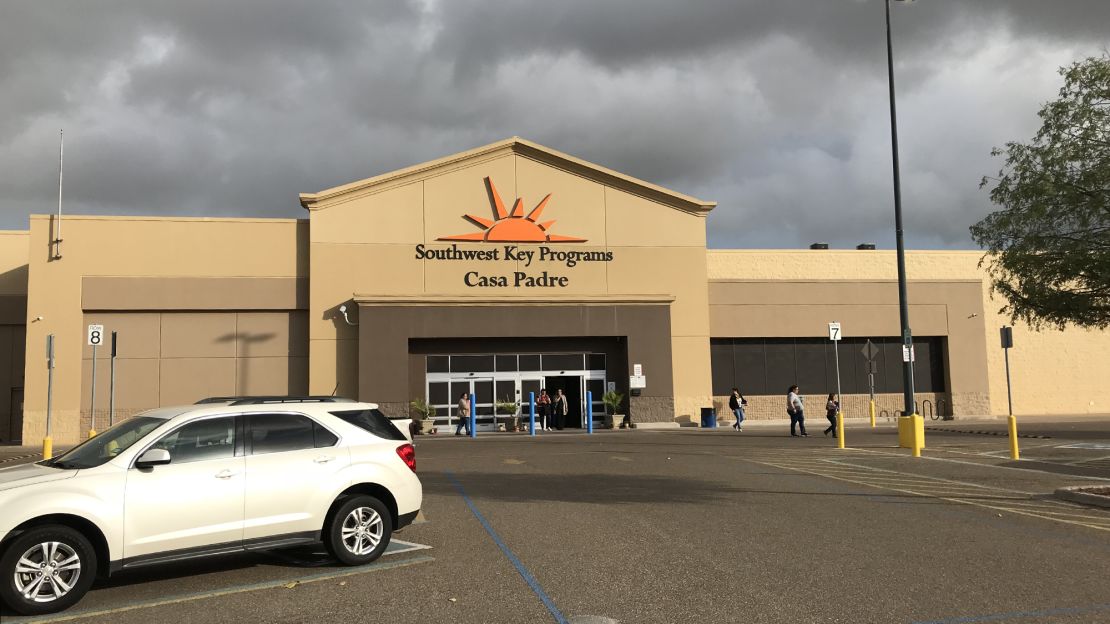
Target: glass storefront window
(438, 364)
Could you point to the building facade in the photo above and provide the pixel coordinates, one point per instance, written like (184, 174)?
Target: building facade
(498, 272)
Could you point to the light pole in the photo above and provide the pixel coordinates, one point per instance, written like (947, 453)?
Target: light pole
(903, 306)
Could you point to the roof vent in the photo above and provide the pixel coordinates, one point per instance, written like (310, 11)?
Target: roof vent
(866, 246)
(819, 246)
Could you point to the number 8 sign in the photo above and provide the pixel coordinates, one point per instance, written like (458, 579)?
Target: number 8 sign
(96, 335)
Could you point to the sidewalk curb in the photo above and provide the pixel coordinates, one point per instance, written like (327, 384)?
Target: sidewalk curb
(1081, 494)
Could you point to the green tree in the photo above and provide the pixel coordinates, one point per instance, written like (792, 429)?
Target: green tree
(1048, 249)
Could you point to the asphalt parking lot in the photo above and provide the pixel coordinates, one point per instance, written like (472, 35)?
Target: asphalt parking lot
(693, 525)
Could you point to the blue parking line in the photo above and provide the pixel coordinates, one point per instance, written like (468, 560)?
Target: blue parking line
(997, 617)
(524, 573)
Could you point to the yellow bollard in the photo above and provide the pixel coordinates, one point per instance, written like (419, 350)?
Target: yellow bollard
(92, 433)
(872, 410)
(918, 435)
(47, 448)
(1014, 452)
(839, 429)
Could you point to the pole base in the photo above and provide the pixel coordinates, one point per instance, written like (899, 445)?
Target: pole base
(839, 430)
(1011, 423)
(47, 448)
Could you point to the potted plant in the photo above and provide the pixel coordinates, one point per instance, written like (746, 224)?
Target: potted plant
(423, 415)
(612, 401)
(508, 409)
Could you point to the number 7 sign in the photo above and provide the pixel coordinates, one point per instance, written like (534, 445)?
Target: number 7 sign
(834, 331)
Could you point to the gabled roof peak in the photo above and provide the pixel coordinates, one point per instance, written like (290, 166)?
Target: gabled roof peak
(514, 145)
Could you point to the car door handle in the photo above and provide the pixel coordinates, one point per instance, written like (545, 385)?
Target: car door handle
(225, 474)
(323, 459)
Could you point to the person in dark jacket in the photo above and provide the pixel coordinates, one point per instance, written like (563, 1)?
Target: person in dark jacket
(736, 403)
(832, 406)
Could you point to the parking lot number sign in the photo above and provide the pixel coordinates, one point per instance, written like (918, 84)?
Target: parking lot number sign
(834, 331)
(96, 335)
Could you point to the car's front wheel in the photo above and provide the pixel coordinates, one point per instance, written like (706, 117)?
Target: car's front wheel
(359, 530)
(47, 569)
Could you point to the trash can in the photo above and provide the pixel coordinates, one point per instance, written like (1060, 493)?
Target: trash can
(708, 418)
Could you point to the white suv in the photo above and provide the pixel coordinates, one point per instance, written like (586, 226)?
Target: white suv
(228, 475)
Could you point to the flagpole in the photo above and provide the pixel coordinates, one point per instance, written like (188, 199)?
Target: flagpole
(58, 229)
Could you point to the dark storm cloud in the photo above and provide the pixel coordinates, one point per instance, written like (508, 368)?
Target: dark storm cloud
(774, 108)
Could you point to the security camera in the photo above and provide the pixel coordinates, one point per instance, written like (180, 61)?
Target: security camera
(346, 319)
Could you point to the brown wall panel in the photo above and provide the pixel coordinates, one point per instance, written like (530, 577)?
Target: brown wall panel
(186, 380)
(386, 333)
(138, 334)
(193, 293)
(199, 335)
(172, 358)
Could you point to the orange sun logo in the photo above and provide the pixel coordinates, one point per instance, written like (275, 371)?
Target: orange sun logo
(512, 227)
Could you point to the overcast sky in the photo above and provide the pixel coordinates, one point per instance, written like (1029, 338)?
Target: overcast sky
(776, 109)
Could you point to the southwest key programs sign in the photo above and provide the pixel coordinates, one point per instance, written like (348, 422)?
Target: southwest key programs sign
(512, 226)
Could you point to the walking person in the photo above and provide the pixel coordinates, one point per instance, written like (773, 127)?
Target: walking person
(796, 408)
(544, 403)
(561, 408)
(464, 414)
(832, 407)
(736, 403)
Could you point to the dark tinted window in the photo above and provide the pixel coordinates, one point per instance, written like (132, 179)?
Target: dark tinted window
(596, 361)
(202, 440)
(561, 361)
(277, 433)
(529, 362)
(371, 420)
(438, 364)
(506, 363)
(323, 437)
(471, 363)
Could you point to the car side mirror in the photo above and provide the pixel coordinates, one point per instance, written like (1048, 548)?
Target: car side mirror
(153, 457)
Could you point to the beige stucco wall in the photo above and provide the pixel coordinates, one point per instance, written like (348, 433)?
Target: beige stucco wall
(364, 243)
(131, 247)
(1053, 372)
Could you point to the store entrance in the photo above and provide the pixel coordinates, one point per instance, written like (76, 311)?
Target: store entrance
(572, 388)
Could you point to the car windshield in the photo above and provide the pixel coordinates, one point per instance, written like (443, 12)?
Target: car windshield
(102, 448)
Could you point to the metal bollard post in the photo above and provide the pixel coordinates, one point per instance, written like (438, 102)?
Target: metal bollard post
(48, 441)
(589, 412)
(92, 401)
(1014, 452)
(839, 429)
(872, 410)
(532, 413)
(473, 416)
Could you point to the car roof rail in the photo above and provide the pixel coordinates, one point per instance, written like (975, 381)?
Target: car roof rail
(263, 400)
(260, 400)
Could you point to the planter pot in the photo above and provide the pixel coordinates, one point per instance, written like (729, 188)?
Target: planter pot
(427, 425)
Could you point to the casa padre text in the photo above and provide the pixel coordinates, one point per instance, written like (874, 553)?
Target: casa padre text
(525, 256)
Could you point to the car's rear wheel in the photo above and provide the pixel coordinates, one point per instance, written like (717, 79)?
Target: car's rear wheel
(360, 530)
(47, 569)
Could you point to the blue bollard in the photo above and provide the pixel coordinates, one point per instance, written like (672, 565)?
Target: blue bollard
(531, 413)
(473, 417)
(589, 412)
